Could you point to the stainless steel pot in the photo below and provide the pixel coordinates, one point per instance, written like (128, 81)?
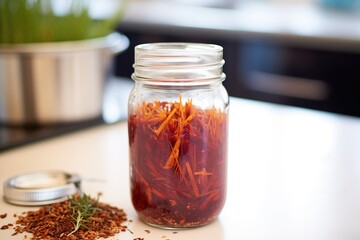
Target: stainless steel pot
(59, 82)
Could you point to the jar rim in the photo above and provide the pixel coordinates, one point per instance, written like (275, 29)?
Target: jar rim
(163, 47)
(178, 62)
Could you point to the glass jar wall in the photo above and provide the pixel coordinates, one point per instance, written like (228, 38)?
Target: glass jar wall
(177, 122)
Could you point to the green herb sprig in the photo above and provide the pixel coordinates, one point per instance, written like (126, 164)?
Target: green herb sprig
(83, 207)
(32, 21)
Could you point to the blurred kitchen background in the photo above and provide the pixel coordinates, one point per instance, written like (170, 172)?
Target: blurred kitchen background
(297, 52)
(303, 53)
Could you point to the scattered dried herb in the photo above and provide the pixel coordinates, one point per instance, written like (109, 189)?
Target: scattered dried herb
(4, 227)
(178, 158)
(55, 221)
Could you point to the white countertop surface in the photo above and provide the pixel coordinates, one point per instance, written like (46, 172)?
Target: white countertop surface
(293, 174)
(296, 22)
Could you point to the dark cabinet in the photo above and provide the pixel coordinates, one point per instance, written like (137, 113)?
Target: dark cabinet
(275, 71)
(307, 77)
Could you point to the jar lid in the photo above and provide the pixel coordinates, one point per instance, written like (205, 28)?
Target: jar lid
(40, 187)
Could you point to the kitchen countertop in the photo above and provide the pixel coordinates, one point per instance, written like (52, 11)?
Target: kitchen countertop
(293, 174)
(301, 23)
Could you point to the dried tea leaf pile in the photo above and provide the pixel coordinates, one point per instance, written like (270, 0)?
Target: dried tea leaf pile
(56, 221)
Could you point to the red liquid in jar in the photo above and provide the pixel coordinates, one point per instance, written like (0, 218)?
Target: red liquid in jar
(178, 163)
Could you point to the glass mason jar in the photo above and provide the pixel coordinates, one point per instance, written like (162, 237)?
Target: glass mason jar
(177, 124)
